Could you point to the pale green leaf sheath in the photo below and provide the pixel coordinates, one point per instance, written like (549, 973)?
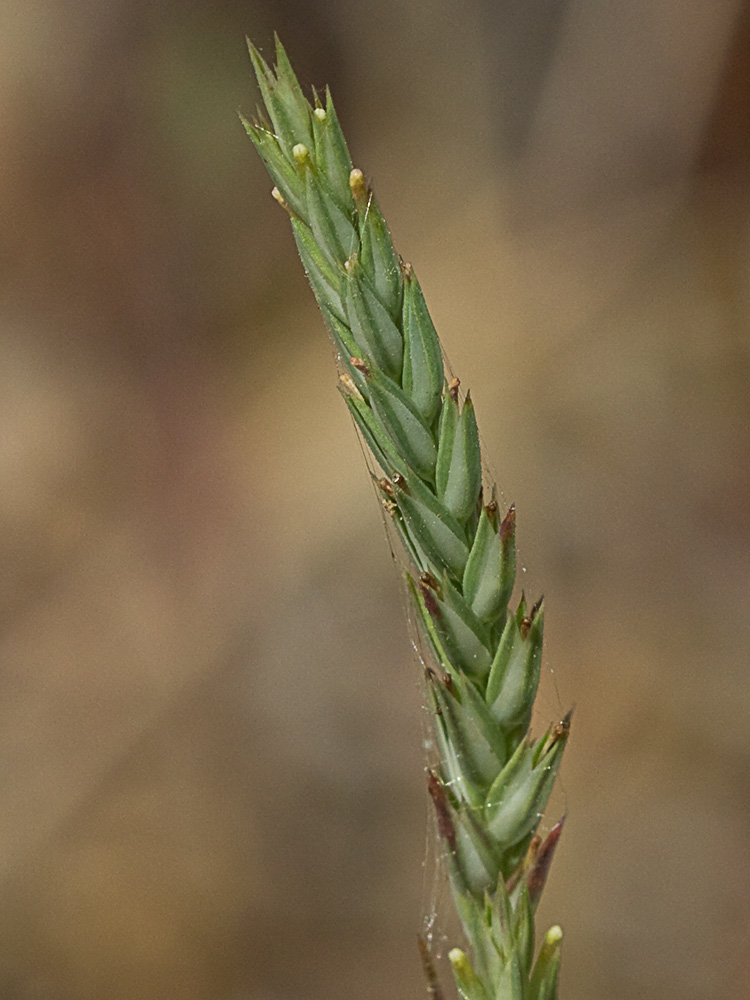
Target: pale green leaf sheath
(493, 780)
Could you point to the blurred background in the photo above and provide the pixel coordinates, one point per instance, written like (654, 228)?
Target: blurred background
(211, 763)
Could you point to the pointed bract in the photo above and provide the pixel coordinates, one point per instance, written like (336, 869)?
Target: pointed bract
(332, 156)
(287, 107)
(378, 256)
(463, 636)
(544, 977)
(423, 360)
(467, 980)
(514, 674)
(517, 798)
(459, 463)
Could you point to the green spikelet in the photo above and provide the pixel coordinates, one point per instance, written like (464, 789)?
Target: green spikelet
(494, 779)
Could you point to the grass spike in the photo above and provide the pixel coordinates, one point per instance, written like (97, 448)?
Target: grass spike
(493, 780)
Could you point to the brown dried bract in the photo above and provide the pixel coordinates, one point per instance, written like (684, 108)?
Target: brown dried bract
(541, 861)
(508, 524)
(386, 486)
(430, 581)
(359, 364)
(446, 828)
(433, 984)
(430, 601)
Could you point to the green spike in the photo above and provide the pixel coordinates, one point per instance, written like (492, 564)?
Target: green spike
(495, 779)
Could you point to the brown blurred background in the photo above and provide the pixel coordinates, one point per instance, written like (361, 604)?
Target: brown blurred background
(210, 718)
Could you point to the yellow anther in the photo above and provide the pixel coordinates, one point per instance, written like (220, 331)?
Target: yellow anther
(358, 186)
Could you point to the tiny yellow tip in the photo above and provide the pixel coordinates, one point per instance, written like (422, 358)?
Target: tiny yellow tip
(357, 185)
(553, 935)
(300, 152)
(457, 958)
(320, 114)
